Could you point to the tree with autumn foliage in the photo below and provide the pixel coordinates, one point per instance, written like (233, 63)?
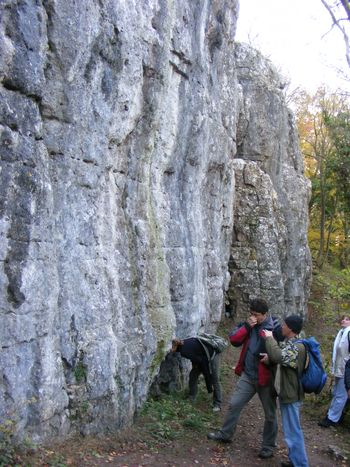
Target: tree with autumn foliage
(339, 129)
(323, 121)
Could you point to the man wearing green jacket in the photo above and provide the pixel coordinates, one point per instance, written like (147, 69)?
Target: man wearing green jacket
(290, 357)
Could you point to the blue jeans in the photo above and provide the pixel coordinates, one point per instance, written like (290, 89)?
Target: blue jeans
(293, 434)
(340, 396)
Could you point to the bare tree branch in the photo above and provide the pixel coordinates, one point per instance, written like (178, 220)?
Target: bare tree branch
(337, 22)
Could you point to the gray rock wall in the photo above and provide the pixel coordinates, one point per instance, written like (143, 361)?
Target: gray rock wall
(117, 190)
(120, 190)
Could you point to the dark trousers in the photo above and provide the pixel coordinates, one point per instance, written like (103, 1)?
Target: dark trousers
(242, 394)
(196, 372)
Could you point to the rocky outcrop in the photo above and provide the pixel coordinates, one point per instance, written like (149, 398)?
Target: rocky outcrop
(122, 199)
(269, 252)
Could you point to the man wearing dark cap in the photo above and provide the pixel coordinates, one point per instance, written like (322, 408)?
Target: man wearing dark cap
(290, 356)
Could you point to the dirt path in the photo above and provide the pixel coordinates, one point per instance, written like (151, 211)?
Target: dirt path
(137, 447)
(133, 449)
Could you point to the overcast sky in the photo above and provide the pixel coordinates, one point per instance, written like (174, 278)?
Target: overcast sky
(295, 35)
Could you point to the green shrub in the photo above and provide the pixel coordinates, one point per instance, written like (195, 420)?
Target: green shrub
(7, 448)
(167, 417)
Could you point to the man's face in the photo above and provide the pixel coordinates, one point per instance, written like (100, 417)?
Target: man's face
(285, 329)
(260, 317)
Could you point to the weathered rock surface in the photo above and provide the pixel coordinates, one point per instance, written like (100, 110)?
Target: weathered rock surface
(140, 156)
(269, 251)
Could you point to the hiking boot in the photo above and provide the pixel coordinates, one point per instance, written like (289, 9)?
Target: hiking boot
(326, 423)
(286, 464)
(216, 408)
(265, 453)
(217, 436)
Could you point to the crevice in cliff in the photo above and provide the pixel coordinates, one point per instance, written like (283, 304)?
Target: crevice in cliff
(178, 70)
(181, 56)
(6, 388)
(55, 118)
(75, 373)
(9, 85)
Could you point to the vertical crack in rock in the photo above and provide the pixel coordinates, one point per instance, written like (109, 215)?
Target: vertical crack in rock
(19, 232)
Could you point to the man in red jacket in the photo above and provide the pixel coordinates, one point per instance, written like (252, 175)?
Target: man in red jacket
(255, 377)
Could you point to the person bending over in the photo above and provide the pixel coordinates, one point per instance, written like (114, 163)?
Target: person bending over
(193, 350)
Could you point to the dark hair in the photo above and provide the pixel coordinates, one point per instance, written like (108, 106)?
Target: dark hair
(175, 343)
(259, 305)
(295, 323)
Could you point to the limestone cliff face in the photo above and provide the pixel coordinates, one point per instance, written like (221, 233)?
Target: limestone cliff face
(131, 145)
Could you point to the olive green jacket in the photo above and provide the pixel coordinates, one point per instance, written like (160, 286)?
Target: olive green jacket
(290, 357)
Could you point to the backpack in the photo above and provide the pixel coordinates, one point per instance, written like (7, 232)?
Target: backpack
(218, 343)
(313, 377)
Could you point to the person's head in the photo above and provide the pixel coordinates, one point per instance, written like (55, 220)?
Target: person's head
(258, 308)
(175, 344)
(292, 326)
(345, 321)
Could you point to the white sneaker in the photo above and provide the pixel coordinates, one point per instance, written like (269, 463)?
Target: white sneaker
(216, 409)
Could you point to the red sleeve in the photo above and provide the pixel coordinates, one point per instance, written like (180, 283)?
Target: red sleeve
(239, 336)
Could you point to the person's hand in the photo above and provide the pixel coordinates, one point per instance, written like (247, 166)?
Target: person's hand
(265, 333)
(349, 393)
(263, 357)
(252, 321)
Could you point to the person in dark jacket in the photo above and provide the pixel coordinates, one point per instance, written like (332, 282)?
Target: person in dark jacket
(290, 355)
(192, 349)
(347, 378)
(255, 377)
